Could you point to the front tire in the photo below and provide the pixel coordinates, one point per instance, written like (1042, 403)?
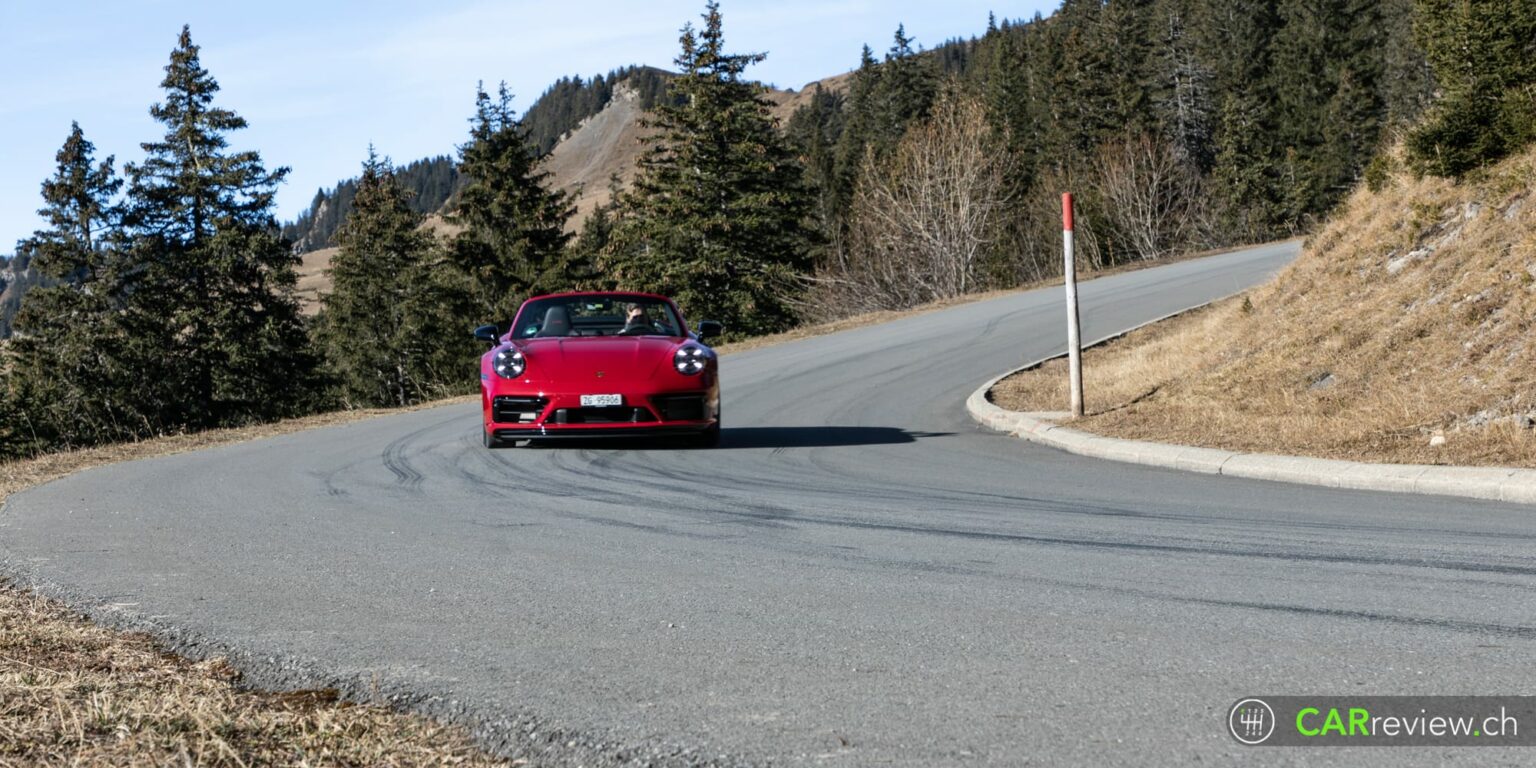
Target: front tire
(490, 439)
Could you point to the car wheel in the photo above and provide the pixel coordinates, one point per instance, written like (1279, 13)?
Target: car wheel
(491, 441)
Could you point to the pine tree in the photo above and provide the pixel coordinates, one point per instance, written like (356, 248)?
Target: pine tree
(387, 329)
(79, 207)
(813, 131)
(1244, 175)
(717, 214)
(596, 233)
(1328, 105)
(1009, 99)
(1086, 80)
(857, 134)
(1121, 54)
(62, 377)
(907, 88)
(514, 239)
(1407, 81)
(13, 440)
(1484, 56)
(212, 330)
(1182, 96)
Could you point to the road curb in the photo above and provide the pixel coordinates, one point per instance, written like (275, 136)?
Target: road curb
(1489, 483)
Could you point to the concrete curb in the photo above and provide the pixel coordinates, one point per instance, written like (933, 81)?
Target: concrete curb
(1492, 483)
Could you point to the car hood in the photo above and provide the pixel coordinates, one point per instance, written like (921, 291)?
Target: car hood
(621, 358)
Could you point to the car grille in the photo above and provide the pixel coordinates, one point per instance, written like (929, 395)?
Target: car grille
(680, 407)
(609, 415)
(517, 410)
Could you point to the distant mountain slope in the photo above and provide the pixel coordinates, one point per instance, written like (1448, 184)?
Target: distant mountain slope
(430, 181)
(570, 101)
(16, 278)
(786, 102)
(433, 181)
(608, 143)
(604, 145)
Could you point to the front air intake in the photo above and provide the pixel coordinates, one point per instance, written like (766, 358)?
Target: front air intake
(517, 410)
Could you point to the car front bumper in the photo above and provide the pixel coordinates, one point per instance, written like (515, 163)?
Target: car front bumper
(518, 416)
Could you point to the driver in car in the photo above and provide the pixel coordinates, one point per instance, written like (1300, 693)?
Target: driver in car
(636, 321)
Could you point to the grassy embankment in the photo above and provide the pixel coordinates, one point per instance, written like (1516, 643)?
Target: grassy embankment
(1405, 333)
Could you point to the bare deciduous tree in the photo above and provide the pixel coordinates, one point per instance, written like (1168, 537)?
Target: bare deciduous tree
(923, 219)
(1148, 195)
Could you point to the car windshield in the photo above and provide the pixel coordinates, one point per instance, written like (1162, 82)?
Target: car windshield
(567, 316)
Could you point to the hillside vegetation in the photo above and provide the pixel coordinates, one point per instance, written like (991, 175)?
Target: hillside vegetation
(923, 176)
(1180, 124)
(1405, 332)
(431, 182)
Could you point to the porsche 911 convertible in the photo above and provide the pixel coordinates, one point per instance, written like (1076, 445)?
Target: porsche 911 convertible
(601, 364)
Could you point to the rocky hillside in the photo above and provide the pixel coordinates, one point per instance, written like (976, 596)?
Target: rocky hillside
(603, 146)
(608, 143)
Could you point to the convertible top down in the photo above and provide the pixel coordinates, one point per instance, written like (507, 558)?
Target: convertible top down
(599, 364)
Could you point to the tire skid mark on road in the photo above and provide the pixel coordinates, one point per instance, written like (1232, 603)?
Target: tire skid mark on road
(397, 459)
(496, 469)
(328, 479)
(663, 480)
(656, 477)
(400, 454)
(1150, 547)
(614, 463)
(667, 474)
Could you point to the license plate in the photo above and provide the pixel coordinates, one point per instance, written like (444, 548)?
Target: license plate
(602, 400)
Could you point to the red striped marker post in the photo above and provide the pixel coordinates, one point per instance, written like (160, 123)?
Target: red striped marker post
(1074, 335)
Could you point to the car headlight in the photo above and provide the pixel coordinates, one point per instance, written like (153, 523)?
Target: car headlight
(689, 360)
(509, 363)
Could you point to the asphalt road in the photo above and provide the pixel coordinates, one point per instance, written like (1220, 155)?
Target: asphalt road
(858, 576)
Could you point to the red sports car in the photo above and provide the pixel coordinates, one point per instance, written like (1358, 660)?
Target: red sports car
(602, 364)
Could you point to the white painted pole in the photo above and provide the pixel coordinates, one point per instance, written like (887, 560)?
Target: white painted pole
(1074, 335)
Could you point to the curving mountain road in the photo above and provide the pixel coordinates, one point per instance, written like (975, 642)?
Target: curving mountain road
(858, 576)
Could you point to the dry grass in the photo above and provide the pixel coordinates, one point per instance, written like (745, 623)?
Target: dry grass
(1342, 355)
(75, 694)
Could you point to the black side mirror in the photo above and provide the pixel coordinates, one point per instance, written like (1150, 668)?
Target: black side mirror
(709, 329)
(488, 334)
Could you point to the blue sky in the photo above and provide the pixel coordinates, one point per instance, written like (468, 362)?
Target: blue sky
(320, 80)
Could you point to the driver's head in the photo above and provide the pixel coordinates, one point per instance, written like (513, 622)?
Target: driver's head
(634, 314)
